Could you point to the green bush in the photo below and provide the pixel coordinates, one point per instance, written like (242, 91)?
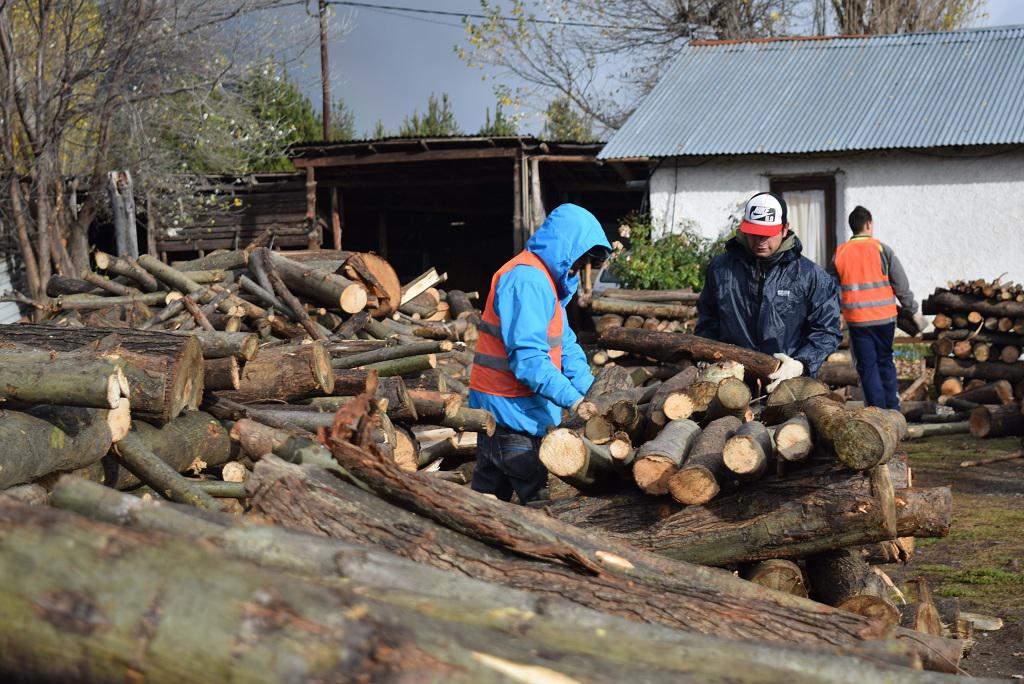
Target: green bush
(671, 262)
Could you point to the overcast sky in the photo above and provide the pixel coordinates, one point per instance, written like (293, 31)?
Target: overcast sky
(388, 63)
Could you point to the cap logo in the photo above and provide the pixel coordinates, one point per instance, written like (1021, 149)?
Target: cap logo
(762, 213)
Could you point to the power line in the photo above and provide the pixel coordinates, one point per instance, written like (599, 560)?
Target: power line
(470, 15)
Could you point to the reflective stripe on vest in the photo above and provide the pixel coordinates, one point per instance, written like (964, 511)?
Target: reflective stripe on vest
(867, 296)
(491, 372)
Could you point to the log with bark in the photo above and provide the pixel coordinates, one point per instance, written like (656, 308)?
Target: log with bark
(660, 458)
(322, 558)
(703, 474)
(842, 578)
(749, 452)
(778, 574)
(191, 442)
(941, 301)
(623, 307)
(285, 373)
(819, 509)
(30, 376)
(794, 439)
(164, 371)
(44, 439)
(992, 370)
(997, 421)
(671, 346)
(631, 583)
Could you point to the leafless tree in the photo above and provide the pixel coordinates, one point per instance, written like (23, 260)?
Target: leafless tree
(87, 83)
(605, 55)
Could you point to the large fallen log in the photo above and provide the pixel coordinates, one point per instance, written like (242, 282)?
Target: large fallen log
(842, 578)
(47, 439)
(816, 510)
(631, 584)
(64, 625)
(330, 289)
(670, 346)
(278, 548)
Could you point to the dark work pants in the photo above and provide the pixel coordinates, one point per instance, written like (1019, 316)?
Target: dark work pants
(509, 461)
(872, 350)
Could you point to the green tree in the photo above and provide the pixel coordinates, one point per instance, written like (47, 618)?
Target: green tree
(439, 120)
(673, 261)
(502, 125)
(378, 132)
(563, 122)
(276, 101)
(343, 121)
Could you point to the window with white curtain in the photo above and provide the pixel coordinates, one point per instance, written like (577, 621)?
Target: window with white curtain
(811, 203)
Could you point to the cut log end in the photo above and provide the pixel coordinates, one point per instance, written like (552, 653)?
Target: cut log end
(119, 420)
(872, 607)
(563, 452)
(744, 457)
(678, 406)
(693, 485)
(652, 474)
(620, 448)
(322, 370)
(353, 299)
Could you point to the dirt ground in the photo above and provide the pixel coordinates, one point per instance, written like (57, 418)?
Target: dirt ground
(982, 559)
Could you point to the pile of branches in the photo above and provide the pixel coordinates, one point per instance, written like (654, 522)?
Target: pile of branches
(977, 343)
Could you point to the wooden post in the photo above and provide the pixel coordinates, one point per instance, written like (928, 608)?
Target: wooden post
(336, 217)
(150, 227)
(311, 226)
(382, 233)
(325, 71)
(518, 232)
(122, 203)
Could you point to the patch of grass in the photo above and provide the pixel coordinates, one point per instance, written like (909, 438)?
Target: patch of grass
(983, 576)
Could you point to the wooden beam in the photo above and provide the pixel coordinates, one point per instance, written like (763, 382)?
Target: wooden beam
(518, 238)
(418, 156)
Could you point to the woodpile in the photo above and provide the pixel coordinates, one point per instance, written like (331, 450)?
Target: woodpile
(977, 345)
(285, 436)
(792, 492)
(656, 310)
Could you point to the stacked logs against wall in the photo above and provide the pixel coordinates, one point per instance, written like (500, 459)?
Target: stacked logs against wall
(795, 492)
(976, 345)
(658, 310)
(335, 532)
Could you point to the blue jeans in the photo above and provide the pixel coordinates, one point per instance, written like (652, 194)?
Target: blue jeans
(509, 461)
(872, 350)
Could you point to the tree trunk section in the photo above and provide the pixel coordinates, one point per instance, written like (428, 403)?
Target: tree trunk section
(329, 289)
(794, 440)
(843, 579)
(997, 421)
(46, 439)
(749, 452)
(222, 374)
(72, 379)
(622, 307)
(659, 459)
(286, 373)
(778, 574)
(139, 459)
(701, 477)
(1011, 372)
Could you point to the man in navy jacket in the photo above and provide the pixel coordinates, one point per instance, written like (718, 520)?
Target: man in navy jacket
(763, 295)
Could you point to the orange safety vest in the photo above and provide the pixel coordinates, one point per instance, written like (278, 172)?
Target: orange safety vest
(867, 296)
(491, 372)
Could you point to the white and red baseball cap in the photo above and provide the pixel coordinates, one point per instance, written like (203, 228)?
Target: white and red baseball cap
(764, 214)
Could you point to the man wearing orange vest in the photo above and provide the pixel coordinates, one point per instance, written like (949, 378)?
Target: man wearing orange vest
(528, 365)
(871, 280)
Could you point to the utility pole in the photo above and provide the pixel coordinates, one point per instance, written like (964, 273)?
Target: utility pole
(325, 70)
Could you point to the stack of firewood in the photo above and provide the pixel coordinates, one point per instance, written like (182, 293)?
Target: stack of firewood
(336, 542)
(659, 310)
(798, 494)
(164, 369)
(977, 343)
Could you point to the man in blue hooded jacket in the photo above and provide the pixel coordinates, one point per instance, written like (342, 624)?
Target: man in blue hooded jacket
(528, 365)
(763, 295)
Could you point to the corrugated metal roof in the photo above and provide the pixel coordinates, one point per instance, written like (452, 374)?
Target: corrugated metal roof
(823, 95)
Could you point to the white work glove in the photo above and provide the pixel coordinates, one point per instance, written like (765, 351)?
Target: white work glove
(921, 322)
(789, 368)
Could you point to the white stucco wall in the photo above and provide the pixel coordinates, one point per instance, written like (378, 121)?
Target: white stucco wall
(946, 217)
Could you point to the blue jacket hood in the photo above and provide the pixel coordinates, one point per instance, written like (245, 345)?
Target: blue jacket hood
(568, 233)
